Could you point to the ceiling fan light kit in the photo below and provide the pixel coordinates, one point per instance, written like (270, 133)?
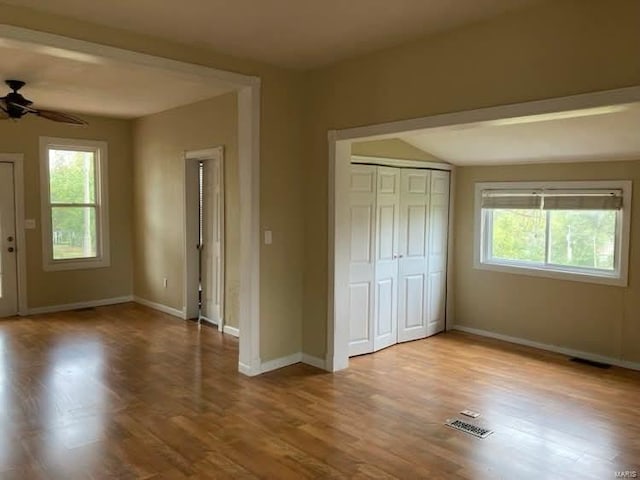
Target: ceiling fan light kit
(14, 106)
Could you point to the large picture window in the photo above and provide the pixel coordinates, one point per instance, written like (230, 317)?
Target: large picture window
(74, 204)
(572, 230)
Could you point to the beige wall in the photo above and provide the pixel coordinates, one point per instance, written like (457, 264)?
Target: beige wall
(555, 49)
(160, 142)
(73, 286)
(391, 148)
(594, 318)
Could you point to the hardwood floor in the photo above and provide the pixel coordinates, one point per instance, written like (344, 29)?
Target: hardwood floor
(126, 392)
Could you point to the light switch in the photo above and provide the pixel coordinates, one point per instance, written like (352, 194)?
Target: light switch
(268, 237)
(29, 223)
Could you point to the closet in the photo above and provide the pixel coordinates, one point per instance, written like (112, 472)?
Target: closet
(398, 255)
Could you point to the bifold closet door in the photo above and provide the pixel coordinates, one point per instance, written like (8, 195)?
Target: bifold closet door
(386, 258)
(362, 215)
(398, 255)
(438, 240)
(413, 287)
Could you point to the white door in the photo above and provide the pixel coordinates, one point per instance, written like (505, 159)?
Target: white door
(362, 200)
(211, 247)
(414, 259)
(386, 260)
(8, 264)
(438, 235)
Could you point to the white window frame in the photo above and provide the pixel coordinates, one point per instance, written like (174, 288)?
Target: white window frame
(102, 258)
(619, 277)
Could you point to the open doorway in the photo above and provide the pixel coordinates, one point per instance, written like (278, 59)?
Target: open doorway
(205, 233)
(456, 138)
(159, 248)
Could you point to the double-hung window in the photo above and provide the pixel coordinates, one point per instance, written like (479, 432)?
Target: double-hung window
(572, 230)
(74, 203)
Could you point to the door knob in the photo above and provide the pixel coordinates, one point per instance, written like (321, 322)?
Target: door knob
(10, 249)
(9, 239)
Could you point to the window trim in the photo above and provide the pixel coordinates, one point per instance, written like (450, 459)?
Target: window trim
(617, 278)
(103, 257)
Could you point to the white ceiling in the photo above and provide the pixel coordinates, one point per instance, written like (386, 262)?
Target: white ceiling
(291, 33)
(84, 84)
(601, 134)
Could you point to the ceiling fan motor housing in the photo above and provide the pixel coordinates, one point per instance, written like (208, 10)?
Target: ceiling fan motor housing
(15, 98)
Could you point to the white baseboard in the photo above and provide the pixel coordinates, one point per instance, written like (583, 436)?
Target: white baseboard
(248, 370)
(551, 348)
(280, 362)
(209, 320)
(231, 330)
(75, 306)
(314, 361)
(160, 307)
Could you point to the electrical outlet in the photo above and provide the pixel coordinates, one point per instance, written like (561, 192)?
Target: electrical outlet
(165, 282)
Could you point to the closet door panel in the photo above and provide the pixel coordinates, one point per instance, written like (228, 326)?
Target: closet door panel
(362, 216)
(386, 262)
(414, 286)
(413, 254)
(438, 240)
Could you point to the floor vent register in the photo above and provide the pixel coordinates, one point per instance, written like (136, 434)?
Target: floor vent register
(469, 428)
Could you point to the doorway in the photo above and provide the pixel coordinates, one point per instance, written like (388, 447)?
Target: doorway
(204, 242)
(12, 254)
(8, 263)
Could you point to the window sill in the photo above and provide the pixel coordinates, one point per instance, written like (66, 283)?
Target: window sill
(531, 271)
(87, 264)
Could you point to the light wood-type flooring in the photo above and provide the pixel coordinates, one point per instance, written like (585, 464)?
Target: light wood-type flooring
(125, 392)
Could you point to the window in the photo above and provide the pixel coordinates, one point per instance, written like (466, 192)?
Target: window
(571, 230)
(74, 206)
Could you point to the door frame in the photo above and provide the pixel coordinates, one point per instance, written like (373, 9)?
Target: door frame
(339, 143)
(191, 159)
(17, 160)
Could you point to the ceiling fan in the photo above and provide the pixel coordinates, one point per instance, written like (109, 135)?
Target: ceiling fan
(15, 106)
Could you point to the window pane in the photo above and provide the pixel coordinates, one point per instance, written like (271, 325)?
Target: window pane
(74, 232)
(518, 235)
(583, 238)
(71, 176)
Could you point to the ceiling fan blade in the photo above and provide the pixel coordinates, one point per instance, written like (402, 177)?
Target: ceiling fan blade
(3, 109)
(60, 117)
(25, 108)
